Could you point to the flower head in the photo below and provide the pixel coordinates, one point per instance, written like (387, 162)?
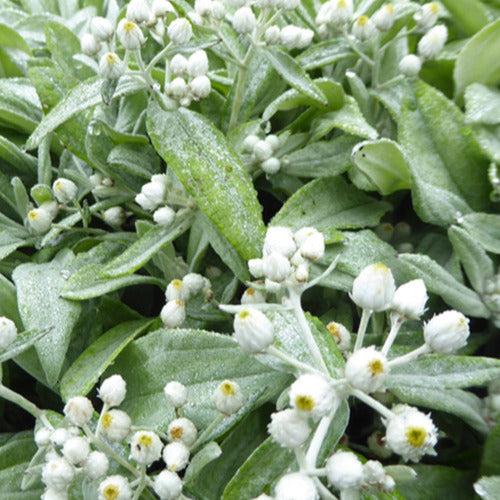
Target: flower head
(145, 447)
(296, 486)
(252, 330)
(228, 397)
(113, 390)
(366, 369)
(374, 288)
(344, 470)
(289, 428)
(115, 488)
(410, 299)
(312, 395)
(447, 332)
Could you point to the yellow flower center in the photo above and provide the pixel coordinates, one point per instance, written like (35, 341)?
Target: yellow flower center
(434, 7)
(389, 8)
(106, 420)
(379, 267)
(110, 61)
(33, 214)
(179, 303)
(376, 366)
(250, 291)
(227, 389)
(244, 314)
(334, 330)
(145, 440)
(129, 26)
(304, 403)
(362, 20)
(416, 436)
(177, 283)
(341, 4)
(176, 432)
(111, 492)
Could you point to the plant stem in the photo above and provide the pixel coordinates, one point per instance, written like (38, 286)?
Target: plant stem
(376, 405)
(362, 55)
(390, 82)
(410, 356)
(203, 436)
(157, 57)
(318, 438)
(395, 326)
(240, 87)
(21, 401)
(365, 318)
(325, 273)
(295, 363)
(142, 484)
(324, 492)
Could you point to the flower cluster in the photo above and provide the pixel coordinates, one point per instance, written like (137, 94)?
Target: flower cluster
(263, 152)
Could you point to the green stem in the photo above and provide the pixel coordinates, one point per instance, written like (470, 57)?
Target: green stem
(318, 438)
(240, 87)
(325, 273)
(157, 57)
(410, 356)
(396, 325)
(376, 405)
(365, 318)
(204, 435)
(295, 363)
(21, 401)
(142, 484)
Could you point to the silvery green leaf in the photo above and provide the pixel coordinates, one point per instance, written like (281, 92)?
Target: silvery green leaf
(9, 244)
(485, 228)
(482, 104)
(490, 462)
(469, 15)
(209, 452)
(325, 53)
(488, 487)
(22, 342)
(19, 104)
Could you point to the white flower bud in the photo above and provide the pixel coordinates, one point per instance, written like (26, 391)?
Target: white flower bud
(271, 166)
(313, 248)
(427, 16)
(195, 18)
(363, 29)
(410, 299)
(173, 313)
(253, 331)
(76, 450)
(8, 332)
(168, 485)
(130, 35)
(195, 283)
(374, 288)
(155, 191)
(218, 11)
(344, 470)
(341, 12)
(182, 429)
(324, 16)
(96, 465)
(200, 86)
(255, 266)
(289, 428)
(290, 36)
(376, 444)
(53, 494)
(262, 151)
(383, 19)
(145, 447)
(272, 35)
(102, 29)
(273, 141)
(373, 472)
(180, 31)
(296, 486)
(250, 142)
(272, 286)
(312, 395)
(79, 410)
(387, 484)
(432, 43)
(176, 290)
(301, 273)
(176, 456)
(138, 11)
(253, 296)
(447, 332)
(178, 87)
(115, 488)
(113, 390)
(279, 239)
(244, 20)
(59, 436)
(228, 397)
(161, 8)
(306, 36)
(176, 393)
(111, 66)
(164, 216)
(178, 65)
(52, 207)
(64, 190)
(276, 267)
(340, 334)
(198, 64)
(366, 369)
(115, 216)
(145, 202)
(89, 45)
(203, 7)
(410, 65)
(58, 474)
(116, 425)
(42, 437)
(411, 434)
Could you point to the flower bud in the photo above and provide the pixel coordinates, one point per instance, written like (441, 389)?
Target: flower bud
(178, 65)
(427, 16)
(252, 296)
(195, 283)
(89, 45)
(340, 334)
(363, 29)
(272, 35)
(432, 43)
(145, 447)
(313, 247)
(289, 428)
(145, 202)
(115, 487)
(176, 290)
(178, 88)
(79, 410)
(116, 425)
(138, 11)
(374, 288)
(244, 20)
(8, 332)
(255, 266)
(253, 331)
(373, 472)
(271, 166)
(111, 66)
(383, 19)
(115, 216)
(341, 12)
(344, 470)
(176, 393)
(294, 486)
(228, 398)
(64, 190)
(156, 190)
(250, 142)
(203, 7)
(198, 64)
(96, 465)
(161, 8)
(59, 436)
(76, 450)
(102, 29)
(366, 369)
(312, 395)
(58, 474)
(262, 150)
(218, 11)
(176, 456)
(200, 87)
(447, 332)
(290, 36)
(180, 31)
(182, 429)
(173, 313)
(113, 390)
(168, 485)
(130, 35)
(276, 267)
(410, 65)
(410, 299)
(42, 437)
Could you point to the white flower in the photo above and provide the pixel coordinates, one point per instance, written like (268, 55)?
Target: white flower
(111, 66)
(115, 488)
(344, 470)
(272, 35)
(218, 11)
(296, 486)
(116, 425)
(64, 190)
(273, 141)
(410, 65)
(200, 86)
(272, 286)
(180, 31)
(164, 216)
(58, 474)
(156, 190)
(373, 472)
(374, 288)
(177, 290)
(182, 429)
(145, 202)
(176, 456)
(39, 220)
(178, 65)
(447, 332)
(312, 395)
(411, 434)
(228, 397)
(178, 88)
(289, 428)
(113, 390)
(89, 45)
(341, 12)
(340, 334)
(102, 29)
(203, 7)
(145, 447)
(313, 247)
(410, 299)
(244, 20)
(173, 313)
(290, 36)
(176, 393)
(250, 142)
(168, 485)
(42, 437)
(161, 8)
(363, 29)
(8, 332)
(252, 330)
(271, 166)
(383, 19)
(195, 283)
(114, 216)
(76, 450)
(59, 436)
(262, 150)
(79, 410)
(256, 268)
(432, 43)
(138, 11)
(197, 64)
(130, 35)
(279, 239)
(276, 267)
(301, 273)
(252, 296)
(427, 16)
(52, 494)
(366, 369)
(96, 465)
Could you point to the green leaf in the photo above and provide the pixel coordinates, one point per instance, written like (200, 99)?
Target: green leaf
(488, 487)
(482, 104)
(485, 228)
(22, 342)
(384, 163)
(329, 204)
(86, 370)
(477, 61)
(19, 104)
(200, 360)
(324, 53)
(348, 118)
(41, 306)
(9, 244)
(196, 464)
(448, 171)
(211, 172)
(469, 15)
(292, 73)
(442, 283)
(490, 461)
(11, 38)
